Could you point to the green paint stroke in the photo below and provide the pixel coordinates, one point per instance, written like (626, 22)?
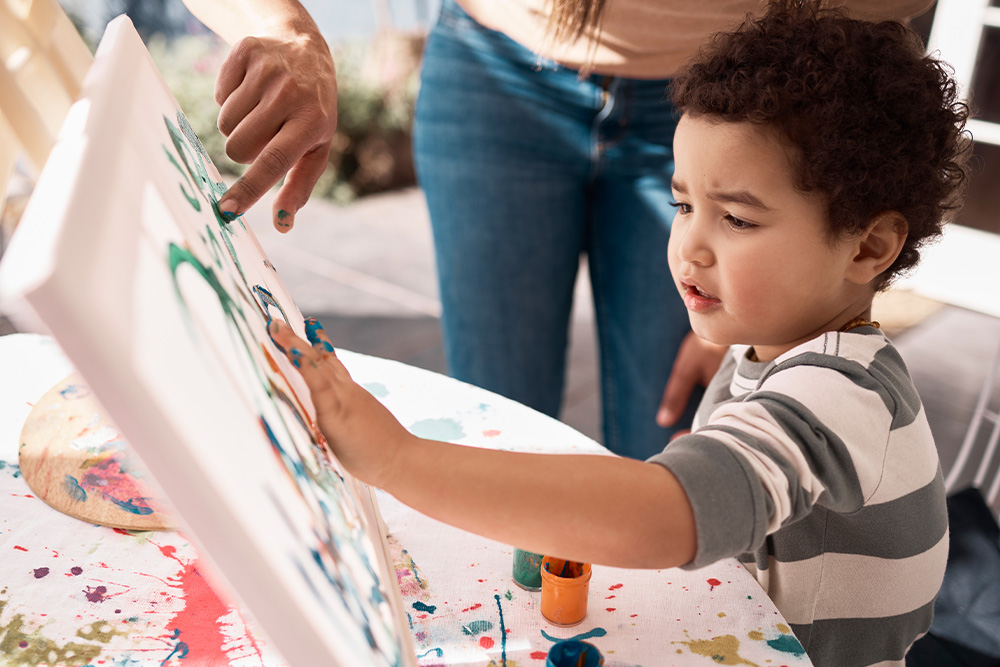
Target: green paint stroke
(20, 648)
(476, 628)
(282, 214)
(438, 429)
(787, 644)
(724, 650)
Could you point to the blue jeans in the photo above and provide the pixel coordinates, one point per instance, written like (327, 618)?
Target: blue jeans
(526, 167)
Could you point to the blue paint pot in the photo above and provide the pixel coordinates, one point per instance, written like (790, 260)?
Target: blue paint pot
(574, 653)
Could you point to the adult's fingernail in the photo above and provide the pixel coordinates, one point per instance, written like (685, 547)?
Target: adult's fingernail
(228, 208)
(285, 219)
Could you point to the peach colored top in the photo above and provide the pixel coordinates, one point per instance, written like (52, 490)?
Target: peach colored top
(645, 39)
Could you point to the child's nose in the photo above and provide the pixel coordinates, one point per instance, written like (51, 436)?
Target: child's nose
(693, 247)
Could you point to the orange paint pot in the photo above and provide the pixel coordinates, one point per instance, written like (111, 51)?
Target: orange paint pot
(565, 588)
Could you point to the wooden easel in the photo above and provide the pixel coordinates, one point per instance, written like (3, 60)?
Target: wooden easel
(44, 62)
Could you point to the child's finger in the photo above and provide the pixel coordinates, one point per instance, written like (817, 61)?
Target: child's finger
(317, 336)
(298, 351)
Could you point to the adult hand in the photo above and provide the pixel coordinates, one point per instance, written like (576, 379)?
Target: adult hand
(278, 94)
(696, 363)
(363, 434)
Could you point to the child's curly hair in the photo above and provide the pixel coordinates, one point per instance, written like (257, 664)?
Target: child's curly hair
(879, 125)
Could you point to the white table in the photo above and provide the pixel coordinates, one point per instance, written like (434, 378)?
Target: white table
(79, 594)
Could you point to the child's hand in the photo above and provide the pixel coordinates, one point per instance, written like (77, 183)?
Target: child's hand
(362, 432)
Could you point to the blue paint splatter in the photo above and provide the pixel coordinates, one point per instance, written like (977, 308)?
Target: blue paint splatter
(787, 644)
(436, 651)
(15, 470)
(420, 606)
(181, 649)
(438, 429)
(503, 635)
(72, 488)
(596, 632)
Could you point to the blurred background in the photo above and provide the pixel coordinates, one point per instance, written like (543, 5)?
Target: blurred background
(377, 46)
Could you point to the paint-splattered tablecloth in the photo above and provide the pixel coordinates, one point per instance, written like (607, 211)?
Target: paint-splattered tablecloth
(73, 593)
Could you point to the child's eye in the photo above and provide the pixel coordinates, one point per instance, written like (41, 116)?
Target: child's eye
(737, 224)
(683, 208)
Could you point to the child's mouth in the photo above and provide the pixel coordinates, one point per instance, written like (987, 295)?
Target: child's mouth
(697, 299)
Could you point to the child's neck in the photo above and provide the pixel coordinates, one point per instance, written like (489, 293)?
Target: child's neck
(770, 353)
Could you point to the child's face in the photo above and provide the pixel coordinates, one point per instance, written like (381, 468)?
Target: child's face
(750, 254)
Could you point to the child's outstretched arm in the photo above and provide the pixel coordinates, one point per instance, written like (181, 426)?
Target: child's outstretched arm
(599, 509)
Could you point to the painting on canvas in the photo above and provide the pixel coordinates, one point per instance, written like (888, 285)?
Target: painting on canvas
(162, 307)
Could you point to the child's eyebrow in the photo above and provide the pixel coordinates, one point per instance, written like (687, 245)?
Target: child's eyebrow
(734, 196)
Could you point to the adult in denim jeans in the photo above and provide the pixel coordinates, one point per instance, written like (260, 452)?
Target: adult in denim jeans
(527, 164)
(526, 167)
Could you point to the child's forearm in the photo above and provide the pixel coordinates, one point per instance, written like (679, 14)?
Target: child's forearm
(601, 509)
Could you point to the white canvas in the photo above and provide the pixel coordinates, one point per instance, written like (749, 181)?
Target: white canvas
(162, 307)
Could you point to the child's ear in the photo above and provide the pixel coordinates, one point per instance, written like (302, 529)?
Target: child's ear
(878, 246)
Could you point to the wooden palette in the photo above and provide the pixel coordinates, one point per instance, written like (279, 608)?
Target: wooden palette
(73, 457)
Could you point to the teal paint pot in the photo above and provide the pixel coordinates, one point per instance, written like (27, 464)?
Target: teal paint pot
(528, 570)
(574, 653)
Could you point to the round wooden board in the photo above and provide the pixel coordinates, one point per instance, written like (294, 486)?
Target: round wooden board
(73, 457)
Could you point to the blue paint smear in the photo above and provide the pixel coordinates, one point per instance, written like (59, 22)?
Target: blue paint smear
(15, 470)
(476, 628)
(446, 430)
(787, 644)
(72, 487)
(420, 606)
(376, 389)
(75, 391)
(130, 506)
(596, 632)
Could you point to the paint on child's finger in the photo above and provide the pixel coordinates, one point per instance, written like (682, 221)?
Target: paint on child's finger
(296, 355)
(317, 336)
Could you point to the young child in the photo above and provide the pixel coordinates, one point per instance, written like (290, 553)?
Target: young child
(814, 156)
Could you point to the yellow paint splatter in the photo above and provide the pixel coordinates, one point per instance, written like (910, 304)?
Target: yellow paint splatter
(723, 650)
(784, 629)
(756, 636)
(722, 614)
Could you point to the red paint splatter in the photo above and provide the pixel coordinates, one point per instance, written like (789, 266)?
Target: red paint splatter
(714, 582)
(633, 615)
(198, 622)
(539, 655)
(610, 597)
(473, 607)
(19, 548)
(615, 587)
(609, 609)
(486, 642)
